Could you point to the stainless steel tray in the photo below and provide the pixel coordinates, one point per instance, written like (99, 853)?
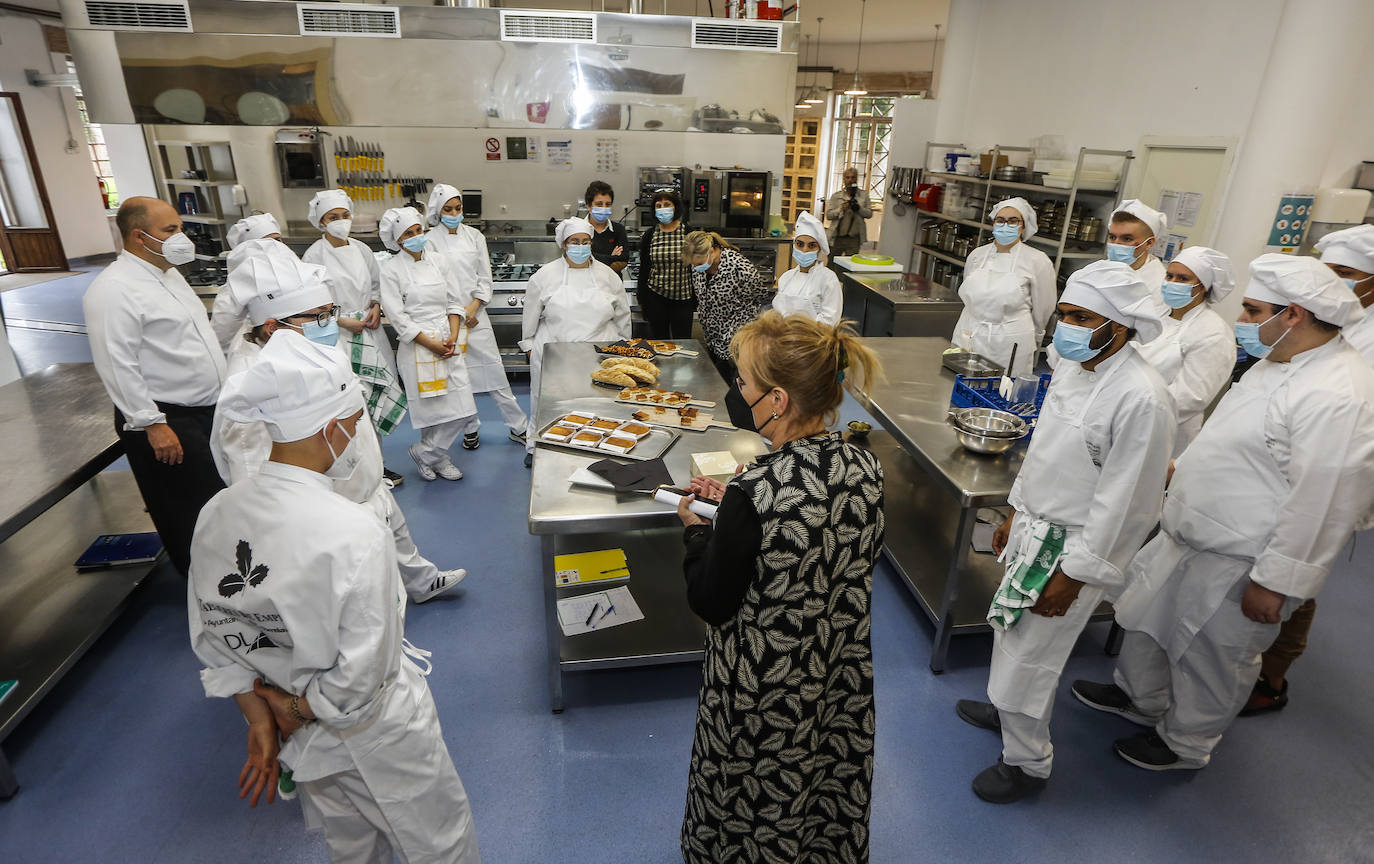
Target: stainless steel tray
(970, 365)
(651, 446)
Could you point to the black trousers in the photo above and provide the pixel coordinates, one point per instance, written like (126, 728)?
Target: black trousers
(174, 494)
(735, 405)
(668, 319)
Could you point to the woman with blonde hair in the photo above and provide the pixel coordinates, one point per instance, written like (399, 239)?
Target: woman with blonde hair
(782, 759)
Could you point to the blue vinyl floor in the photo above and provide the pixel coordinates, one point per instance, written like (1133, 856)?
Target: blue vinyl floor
(126, 761)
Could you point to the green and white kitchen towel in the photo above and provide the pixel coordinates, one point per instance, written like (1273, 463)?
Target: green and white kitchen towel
(1027, 572)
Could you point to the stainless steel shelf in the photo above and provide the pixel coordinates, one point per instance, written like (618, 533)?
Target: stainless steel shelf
(197, 219)
(936, 253)
(199, 183)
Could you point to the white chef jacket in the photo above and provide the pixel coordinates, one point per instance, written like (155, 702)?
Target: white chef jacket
(815, 294)
(326, 619)
(1127, 433)
(546, 319)
(151, 341)
(418, 297)
(354, 275)
(1034, 270)
(1196, 357)
(1360, 335)
(1152, 273)
(466, 254)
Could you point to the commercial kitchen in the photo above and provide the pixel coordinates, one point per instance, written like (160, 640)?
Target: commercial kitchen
(564, 640)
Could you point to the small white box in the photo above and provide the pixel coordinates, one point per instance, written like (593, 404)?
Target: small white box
(718, 465)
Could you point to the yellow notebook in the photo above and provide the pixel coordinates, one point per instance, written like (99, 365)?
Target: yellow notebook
(585, 568)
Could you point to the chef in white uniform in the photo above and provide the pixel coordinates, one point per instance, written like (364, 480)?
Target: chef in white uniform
(228, 319)
(280, 293)
(465, 250)
(304, 628)
(1196, 353)
(424, 302)
(1131, 236)
(1094, 475)
(355, 279)
(1008, 291)
(573, 298)
(1258, 508)
(1350, 255)
(810, 288)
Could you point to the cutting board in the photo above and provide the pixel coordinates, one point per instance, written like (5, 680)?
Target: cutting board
(698, 403)
(848, 263)
(670, 419)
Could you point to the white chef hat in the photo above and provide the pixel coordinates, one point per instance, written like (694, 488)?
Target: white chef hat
(812, 227)
(1113, 290)
(1212, 269)
(295, 388)
(269, 281)
(329, 199)
(254, 227)
(438, 197)
(569, 227)
(1349, 247)
(1302, 281)
(1153, 219)
(394, 223)
(1022, 206)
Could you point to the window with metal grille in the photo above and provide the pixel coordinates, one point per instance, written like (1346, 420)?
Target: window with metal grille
(862, 136)
(95, 146)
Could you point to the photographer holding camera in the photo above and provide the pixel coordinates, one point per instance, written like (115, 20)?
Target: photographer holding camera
(847, 209)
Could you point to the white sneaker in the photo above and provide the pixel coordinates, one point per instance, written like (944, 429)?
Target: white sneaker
(426, 472)
(447, 470)
(445, 580)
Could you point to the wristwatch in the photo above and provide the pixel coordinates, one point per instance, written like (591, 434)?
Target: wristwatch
(294, 709)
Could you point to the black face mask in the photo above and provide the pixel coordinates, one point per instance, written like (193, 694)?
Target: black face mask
(759, 429)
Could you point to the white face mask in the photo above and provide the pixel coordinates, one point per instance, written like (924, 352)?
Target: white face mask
(357, 471)
(177, 249)
(339, 228)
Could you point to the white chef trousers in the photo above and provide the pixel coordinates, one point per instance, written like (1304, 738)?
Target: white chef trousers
(511, 413)
(417, 572)
(1035, 651)
(1198, 697)
(354, 827)
(435, 440)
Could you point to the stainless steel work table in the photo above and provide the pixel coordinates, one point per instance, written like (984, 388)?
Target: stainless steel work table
(571, 519)
(899, 304)
(933, 488)
(58, 429)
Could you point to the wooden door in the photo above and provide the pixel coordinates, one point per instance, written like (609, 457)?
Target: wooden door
(28, 233)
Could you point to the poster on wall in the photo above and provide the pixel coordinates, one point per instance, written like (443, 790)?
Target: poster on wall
(493, 149)
(1168, 205)
(1189, 206)
(1290, 222)
(560, 155)
(607, 156)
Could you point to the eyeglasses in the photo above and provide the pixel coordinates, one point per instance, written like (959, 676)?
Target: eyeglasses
(321, 318)
(1014, 221)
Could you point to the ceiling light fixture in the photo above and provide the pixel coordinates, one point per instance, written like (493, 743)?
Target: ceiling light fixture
(813, 94)
(857, 88)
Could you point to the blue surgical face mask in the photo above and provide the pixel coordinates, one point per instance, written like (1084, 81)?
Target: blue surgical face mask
(1178, 294)
(703, 266)
(805, 259)
(1006, 234)
(1075, 343)
(416, 243)
(601, 214)
(1249, 338)
(324, 334)
(1351, 283)
(579, 254)
(451, 221)
(1123, 253)
(664, 214)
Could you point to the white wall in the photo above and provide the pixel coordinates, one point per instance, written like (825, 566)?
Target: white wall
(528, 190)
(69, 176)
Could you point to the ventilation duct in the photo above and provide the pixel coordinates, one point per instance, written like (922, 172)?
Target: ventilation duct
(340, 19)
(547, 26)
(736, 35)
(165, 17)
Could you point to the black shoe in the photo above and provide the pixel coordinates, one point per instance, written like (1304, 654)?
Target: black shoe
(1265, 697)
(1003, 784)
(392, 477)
(981, 714)
(529, 459)
(1111, 699)
(1147, 750)
(471, 441)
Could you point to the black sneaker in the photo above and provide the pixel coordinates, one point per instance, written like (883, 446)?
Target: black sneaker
(1265, 697)
(1147, 750)
(516, 435)
(392, 477)
(981, 714)
(471, 441)
(1111, 699)
(529, 460)
(1003, 784)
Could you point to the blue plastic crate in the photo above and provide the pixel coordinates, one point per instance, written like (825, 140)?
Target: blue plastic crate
(982, 393)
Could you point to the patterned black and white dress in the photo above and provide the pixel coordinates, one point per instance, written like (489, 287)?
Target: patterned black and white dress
(728, 299)
(782, 759)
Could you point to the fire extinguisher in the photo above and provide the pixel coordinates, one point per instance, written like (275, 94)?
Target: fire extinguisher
(770, 10)
(104, 193)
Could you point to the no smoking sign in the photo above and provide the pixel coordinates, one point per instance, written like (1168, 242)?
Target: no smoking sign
(493, 150)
